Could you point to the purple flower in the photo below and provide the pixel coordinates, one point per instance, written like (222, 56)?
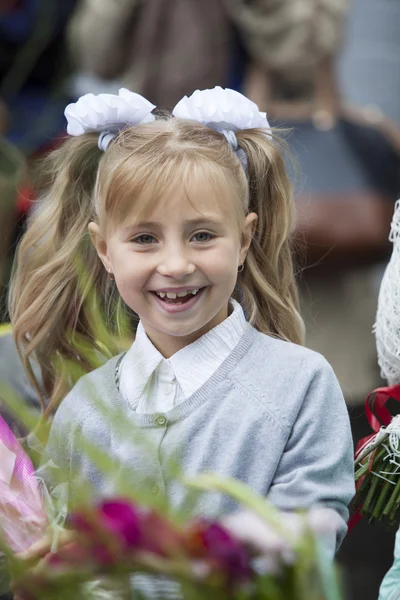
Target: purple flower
(115, 529)
(123, 520)
(212, 542)
(110, 530)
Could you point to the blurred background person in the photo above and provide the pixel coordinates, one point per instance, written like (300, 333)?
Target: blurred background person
(34, 71)
(162, 49)
(34, 68)
(369, 62)
(12, 175)
(34, 90)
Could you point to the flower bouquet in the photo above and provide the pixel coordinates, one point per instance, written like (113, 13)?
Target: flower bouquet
(116, 547)
(377, 461)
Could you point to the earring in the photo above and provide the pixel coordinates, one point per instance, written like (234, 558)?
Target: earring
(240, 267)
(110, 277)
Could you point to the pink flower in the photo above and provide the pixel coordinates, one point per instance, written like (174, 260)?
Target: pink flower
(123, 520)
(211, 542)
(111, 530)
(116, 529)
(72, 554)
(23, 519)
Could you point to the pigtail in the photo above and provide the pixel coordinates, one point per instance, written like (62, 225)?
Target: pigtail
(267, 284)
(59, 284)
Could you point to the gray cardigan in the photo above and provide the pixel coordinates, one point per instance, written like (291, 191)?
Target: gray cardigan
(272, 416)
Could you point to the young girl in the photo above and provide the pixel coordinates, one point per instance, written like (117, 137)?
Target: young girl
(187, 220)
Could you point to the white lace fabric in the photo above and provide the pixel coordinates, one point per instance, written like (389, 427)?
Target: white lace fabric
(387, 324)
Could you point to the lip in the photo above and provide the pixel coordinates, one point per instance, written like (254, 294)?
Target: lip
(178, 308)
(178, 289)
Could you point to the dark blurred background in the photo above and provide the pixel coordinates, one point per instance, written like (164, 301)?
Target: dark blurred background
(327, 69)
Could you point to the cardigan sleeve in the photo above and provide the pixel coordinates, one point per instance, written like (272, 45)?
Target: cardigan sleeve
(390, 588)
(64, 448)
(56, 460)
(316, 467)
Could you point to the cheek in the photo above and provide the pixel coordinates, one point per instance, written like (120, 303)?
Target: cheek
(130, 276)
(130, 279)
(127, 265)
(226, 256)
(222, 265)
(130, 283)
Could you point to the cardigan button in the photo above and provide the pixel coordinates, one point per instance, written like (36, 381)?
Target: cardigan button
(161, 420)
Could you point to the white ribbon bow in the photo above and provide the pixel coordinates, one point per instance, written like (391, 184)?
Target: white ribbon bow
(221, 109)
(107, 114)
(225, 111)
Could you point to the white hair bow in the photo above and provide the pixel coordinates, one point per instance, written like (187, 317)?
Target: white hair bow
(107, 114)
(221, 109)
(224, 110)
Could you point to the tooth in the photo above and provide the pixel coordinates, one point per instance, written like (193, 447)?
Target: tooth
(171, 295)
(194, 292)
(161, 294)
(182, 294)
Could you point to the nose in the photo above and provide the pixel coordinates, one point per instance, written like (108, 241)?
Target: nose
(176, 262)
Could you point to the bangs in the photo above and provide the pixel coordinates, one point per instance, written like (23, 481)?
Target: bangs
(139, 186)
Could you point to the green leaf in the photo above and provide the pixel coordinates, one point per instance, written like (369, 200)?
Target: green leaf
(245, 496)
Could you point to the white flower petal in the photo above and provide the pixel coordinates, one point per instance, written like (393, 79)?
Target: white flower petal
(221, 109)
(107, 112)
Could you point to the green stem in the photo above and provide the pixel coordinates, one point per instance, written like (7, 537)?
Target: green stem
(361, 471)
(367, 508)
(393, 497)
(394, 512)
(364, 484)
(387, 488)
(369, 449)
(377, 466)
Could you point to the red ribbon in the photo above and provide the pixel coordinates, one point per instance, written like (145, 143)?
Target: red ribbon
(377, 415)
(376, 412)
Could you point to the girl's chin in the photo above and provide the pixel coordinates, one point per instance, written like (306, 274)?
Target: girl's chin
(181, 320)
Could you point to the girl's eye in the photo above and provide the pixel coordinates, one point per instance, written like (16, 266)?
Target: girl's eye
(202, 236)
(144, 239)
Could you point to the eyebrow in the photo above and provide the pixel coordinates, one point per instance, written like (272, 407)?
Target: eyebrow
(158, 224)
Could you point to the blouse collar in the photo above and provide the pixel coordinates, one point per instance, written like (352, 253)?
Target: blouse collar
(192, 366)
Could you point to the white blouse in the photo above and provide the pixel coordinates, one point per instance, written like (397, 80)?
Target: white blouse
(152, 383)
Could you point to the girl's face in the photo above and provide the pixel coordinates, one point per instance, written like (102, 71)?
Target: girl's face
(178, 268)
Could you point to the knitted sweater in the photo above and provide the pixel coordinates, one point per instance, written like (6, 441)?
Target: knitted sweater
(272, 416)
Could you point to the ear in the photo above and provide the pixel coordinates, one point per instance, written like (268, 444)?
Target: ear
(247, 235)
(100, 244)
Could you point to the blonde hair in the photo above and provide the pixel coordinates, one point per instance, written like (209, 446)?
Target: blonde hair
(61, 300)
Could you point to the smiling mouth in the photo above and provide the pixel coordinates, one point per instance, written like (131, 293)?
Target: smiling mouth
(178, 297)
